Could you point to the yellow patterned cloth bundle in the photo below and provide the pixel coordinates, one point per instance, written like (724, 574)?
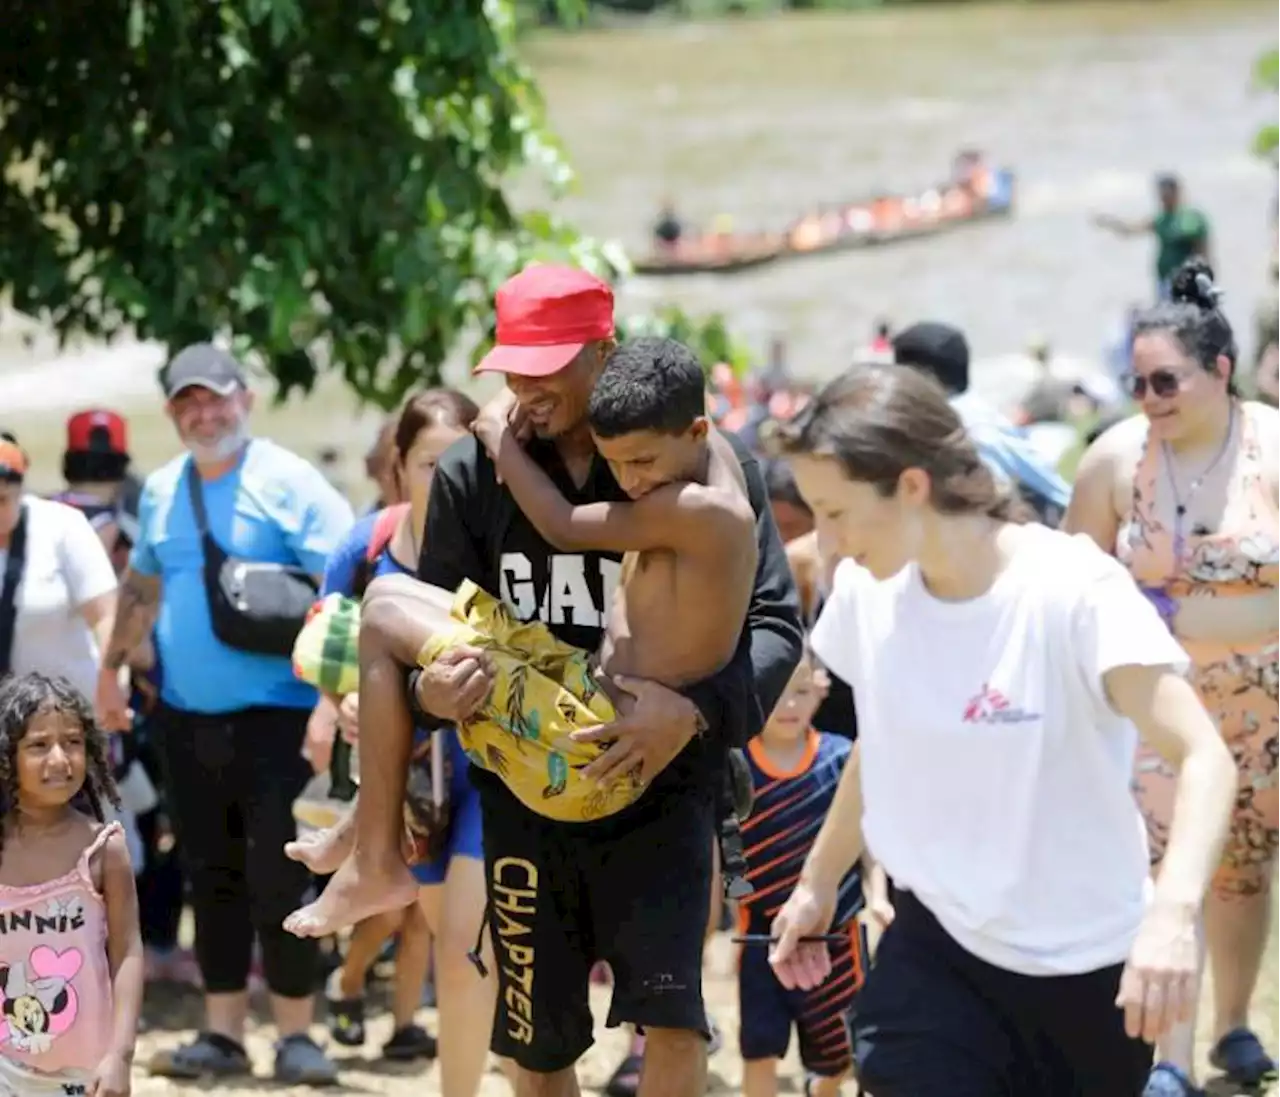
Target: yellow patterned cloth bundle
(543, 691)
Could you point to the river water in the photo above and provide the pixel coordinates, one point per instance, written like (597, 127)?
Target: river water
(763, 118)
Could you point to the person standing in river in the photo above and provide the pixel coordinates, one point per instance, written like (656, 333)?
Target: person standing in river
(1181, 231)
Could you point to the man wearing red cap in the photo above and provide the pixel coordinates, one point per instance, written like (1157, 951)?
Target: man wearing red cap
(633, 888)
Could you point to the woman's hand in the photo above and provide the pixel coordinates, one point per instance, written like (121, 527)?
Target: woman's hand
(322, 725)
(875, 887)
(1157, 986)
(349, 718)
(809, 912)
(111, 1079)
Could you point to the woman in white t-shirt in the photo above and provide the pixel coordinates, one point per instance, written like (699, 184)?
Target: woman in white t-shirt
(65, 599)
(999, 669)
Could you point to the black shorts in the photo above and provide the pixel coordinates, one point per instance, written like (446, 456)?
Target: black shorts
(634, 891)
(935, 1021)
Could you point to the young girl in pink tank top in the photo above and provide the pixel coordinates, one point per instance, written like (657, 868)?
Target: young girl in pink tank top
(70, 948)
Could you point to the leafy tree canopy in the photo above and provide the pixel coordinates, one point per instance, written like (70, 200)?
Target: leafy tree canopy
(325, 179)
(1266, 77)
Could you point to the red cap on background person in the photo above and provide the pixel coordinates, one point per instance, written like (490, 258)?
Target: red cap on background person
(97, 447)
(546, 315)
(13, 460)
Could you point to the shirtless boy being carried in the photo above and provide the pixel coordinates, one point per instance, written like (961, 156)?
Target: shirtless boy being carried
(688, 535)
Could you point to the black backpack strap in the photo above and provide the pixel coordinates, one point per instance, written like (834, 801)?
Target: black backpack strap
(197, 499)
(9, 590)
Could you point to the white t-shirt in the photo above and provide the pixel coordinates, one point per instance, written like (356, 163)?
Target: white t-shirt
(995, 775)
(67, 566)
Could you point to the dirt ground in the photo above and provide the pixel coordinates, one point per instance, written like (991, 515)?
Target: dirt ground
(172, 1016)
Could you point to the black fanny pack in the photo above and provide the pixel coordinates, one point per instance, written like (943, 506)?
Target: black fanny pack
(256, 607)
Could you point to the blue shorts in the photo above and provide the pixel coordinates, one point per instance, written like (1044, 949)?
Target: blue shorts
(464, 833)
(768, 1011)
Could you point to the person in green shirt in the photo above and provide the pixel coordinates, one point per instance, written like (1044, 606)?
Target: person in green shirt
(1180, 230)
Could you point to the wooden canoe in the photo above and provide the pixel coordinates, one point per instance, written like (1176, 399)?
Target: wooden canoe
(712, 256)
(862, 224)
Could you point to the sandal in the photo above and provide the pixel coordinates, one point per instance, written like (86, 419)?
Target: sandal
(625, 1081)
(1242, 1058)
(1167, 1080)
(209, 1055)
(346, 1021)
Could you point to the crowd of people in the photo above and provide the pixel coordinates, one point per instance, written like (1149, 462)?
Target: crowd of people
(971, 759)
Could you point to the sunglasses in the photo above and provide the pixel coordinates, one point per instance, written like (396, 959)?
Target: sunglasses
(1161, 382)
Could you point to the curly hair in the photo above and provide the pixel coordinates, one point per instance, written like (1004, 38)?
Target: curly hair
(23, 698)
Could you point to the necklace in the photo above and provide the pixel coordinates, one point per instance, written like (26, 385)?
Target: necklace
(1180, 501)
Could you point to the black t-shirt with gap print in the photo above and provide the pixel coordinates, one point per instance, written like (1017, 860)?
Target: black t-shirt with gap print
(475, 531)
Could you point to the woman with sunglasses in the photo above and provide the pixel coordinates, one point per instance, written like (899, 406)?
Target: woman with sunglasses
(1185, 495)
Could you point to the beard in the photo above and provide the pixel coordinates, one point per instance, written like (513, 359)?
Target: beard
(224, 448)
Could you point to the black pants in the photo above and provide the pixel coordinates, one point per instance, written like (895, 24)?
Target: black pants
(935, 1021)
(232, 780)
(161, 887)
(634, 890)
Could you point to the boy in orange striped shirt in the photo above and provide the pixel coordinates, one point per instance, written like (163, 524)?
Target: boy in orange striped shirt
(795, 770)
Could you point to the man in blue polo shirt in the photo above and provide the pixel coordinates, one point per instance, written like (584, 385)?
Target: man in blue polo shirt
(230, 723)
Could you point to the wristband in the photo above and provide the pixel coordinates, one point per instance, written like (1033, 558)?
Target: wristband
(421, 717)
(415, 707)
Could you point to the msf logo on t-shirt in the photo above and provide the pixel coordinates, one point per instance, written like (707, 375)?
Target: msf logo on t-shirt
(991, 706)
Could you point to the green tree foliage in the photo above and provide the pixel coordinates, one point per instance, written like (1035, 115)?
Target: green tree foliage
(708, 336)
(326, 179)
(1266, 77)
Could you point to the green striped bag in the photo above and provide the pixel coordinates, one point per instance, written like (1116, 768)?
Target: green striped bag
(326, 653)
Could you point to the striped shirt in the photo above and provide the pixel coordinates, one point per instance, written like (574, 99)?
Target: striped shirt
(788, 812)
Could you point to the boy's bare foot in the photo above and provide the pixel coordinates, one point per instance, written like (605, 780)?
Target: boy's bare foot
(322, 851)
(352, 895)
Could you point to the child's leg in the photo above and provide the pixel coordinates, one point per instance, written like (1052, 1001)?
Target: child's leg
(821, 1086)
(823, 1015)
(764, 1021)
(413, 957)
(760, 1078)
(345, 990)
(398, 617)
(362, 950)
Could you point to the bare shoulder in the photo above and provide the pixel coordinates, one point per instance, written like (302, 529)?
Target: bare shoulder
(1113, 458)
(111, 863)
(1266, 422)
(725, 467)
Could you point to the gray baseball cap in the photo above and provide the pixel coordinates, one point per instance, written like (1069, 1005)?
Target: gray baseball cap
(205, 366)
